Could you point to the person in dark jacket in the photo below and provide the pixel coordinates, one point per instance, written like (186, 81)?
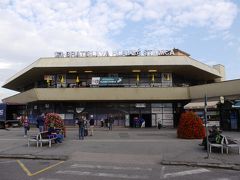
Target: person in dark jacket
(111, 121)
(80, 122)
(40, 122)
(91, 123)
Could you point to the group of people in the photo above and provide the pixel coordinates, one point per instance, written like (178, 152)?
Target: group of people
(40, 123)
(82, 123)
(26, 124)
(55, 132)
(108, 122)
(138, 122)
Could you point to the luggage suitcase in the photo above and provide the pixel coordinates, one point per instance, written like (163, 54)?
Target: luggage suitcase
(85, 132)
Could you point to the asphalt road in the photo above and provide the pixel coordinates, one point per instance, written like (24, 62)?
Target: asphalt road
(61, 170)
(120, 154)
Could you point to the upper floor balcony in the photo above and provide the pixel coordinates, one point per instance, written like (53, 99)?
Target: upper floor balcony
(136, 80)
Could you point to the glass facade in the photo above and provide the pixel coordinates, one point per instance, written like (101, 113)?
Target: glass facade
(123, 113)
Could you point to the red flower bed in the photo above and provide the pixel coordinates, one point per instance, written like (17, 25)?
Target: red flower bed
(190, 126)
(53, 119)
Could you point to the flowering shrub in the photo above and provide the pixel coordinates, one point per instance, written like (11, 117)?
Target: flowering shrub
(190, 126)
(53, 119)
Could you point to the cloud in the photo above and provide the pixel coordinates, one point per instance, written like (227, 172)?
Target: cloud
(32, 30)
(168, 21)
(8, 65)
(5, 65)
(214, 16)
(46, 25)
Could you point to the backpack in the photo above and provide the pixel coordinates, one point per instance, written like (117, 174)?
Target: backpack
(91, 122)
(25, 122)
(80, 123)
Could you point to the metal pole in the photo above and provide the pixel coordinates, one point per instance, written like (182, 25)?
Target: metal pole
(205, 117)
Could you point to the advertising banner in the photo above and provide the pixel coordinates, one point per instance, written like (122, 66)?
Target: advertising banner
(106, 81)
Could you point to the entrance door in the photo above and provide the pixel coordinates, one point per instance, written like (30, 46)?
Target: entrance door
(148, 120)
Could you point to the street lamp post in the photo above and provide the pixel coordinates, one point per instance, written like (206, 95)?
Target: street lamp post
(205, 117)
(221, 98)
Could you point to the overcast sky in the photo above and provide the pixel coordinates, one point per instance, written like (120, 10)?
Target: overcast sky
(209, 30)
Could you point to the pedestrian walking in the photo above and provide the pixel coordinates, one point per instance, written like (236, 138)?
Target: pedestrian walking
(91, 123)
(85, 126)
(25, 123)
(136, 122)
(40, 122)
(102, 122)
(159, 124)
(106, 121)
(111, 121)
(81, 125)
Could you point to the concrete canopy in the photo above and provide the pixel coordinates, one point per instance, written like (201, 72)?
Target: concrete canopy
(99, 94)
(182, 66)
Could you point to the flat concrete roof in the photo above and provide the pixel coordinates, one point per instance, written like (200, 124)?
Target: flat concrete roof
(183, 66)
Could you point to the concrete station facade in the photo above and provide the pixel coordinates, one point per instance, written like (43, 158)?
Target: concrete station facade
(154, 85)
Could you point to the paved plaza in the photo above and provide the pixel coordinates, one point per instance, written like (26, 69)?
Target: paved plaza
(132, 146)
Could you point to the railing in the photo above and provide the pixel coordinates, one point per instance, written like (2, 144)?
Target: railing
(140, 85)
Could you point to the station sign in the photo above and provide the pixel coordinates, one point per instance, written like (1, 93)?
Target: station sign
(140, 105)
(119, 53)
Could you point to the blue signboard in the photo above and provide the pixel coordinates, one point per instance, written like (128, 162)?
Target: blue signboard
(110, 80)
(106, 81)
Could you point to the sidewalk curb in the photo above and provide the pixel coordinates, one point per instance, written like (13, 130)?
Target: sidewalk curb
(28, 156)
(235, 167)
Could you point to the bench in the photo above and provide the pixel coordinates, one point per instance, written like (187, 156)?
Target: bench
(33, 138)
(230, 143)
(217, 145)
(46, 137)
(226, 143)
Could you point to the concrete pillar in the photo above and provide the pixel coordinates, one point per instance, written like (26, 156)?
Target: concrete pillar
(221, 69)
